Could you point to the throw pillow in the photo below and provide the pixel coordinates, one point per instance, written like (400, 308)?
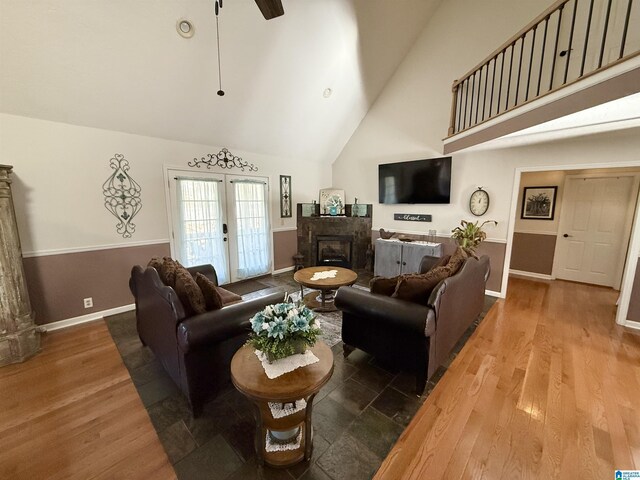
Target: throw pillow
(228, 297)
(168, 271)
(189, 293)
(155, 262)
(212, 298)
(417, 287)
(456, 261)
(383, 285)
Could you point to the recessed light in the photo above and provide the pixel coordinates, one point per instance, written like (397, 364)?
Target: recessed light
(185, 28)
(327, 92)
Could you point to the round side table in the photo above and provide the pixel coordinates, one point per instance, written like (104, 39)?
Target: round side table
(247, 374)
(327, 286)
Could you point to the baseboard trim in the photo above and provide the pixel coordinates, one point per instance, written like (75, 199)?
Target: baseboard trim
(632, 324)
(539, 276)
(493, 293)
(90, 317)
(283, 270)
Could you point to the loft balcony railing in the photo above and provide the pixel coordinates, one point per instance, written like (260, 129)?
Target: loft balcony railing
(569, 41)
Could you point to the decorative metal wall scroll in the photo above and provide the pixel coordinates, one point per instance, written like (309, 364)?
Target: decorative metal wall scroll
(122, 196)
(412, 217)
(285, 196)
(223, 159)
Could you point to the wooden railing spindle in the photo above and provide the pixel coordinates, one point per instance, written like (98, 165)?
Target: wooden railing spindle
(533, 44)
(604, 33)
(573, 24)
(586, 38)
(626, 28)
(555, 48)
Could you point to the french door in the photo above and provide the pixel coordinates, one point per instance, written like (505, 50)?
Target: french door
(222, 220)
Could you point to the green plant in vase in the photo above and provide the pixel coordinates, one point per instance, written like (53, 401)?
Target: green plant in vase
(284, 329)
(470, 234)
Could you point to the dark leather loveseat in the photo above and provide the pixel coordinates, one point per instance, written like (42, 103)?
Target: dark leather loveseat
(409, 335)
(195, 351)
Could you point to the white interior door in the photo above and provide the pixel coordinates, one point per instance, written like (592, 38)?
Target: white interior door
(249, 227)
(594, 229)
(199, 217)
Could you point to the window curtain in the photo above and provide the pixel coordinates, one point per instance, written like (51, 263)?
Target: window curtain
(254, 255)
(200, 225)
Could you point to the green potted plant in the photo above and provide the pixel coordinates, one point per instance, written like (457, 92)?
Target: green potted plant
(283, 329)
(469, 234)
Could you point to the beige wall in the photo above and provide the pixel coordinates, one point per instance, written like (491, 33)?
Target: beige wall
(410, 118)
(59, 170)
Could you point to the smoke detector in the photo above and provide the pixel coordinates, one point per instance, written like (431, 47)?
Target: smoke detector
(185, 28)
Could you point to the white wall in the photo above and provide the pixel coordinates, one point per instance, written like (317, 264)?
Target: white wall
(59, 170)
(540, 179)
(411, 117)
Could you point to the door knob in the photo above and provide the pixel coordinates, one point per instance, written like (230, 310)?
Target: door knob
(566, 235)
(224, 239)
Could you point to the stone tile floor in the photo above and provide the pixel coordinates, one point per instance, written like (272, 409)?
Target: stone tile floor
(357, 417)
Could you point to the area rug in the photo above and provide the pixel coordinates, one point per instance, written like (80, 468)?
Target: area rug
(330, 322)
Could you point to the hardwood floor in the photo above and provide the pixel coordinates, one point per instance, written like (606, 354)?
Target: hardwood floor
(72, 412)
(546, 388)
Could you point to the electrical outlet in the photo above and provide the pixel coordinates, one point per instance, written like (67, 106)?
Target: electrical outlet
(88, 302)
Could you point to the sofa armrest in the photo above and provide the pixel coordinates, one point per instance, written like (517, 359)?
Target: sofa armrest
(207, 270)
(218, 325)
(408, 316)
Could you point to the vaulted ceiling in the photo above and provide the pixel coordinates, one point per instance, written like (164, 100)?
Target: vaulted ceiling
(121, 65)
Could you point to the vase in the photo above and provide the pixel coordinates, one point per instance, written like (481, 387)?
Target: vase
(333, 210)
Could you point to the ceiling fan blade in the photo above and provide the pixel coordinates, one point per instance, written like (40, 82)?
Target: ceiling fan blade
(270, 8)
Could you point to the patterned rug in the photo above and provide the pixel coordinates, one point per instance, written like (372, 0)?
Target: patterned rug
(330, 322)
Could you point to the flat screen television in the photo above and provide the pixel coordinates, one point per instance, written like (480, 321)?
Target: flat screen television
(418, 181)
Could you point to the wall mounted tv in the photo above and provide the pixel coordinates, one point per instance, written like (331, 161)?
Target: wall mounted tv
(418, 181)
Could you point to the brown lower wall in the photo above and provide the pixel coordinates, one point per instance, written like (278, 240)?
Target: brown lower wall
(285, 246)
(533, 252)
(59, 283)
(495, 250)
(634, 301)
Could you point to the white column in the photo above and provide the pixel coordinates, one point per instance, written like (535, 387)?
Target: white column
(19, 337)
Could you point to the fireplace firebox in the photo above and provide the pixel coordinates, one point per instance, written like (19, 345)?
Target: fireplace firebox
(334, 250)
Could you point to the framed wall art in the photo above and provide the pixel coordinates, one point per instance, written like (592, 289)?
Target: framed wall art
(539, 203)
(285, 196)
(331, 201)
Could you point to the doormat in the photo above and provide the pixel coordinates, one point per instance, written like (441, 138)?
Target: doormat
(243, 288)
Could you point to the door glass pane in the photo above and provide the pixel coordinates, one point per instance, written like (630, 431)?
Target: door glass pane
(252, 228)
(200, 225)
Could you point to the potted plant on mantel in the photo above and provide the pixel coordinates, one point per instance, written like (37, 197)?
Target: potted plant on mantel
(469, 234)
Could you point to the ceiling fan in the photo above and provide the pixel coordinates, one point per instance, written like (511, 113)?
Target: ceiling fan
(270, 8)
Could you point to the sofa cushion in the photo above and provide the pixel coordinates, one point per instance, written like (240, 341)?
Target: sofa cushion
(189, 293)
(228, 297)
(212, 299)
(383, 285)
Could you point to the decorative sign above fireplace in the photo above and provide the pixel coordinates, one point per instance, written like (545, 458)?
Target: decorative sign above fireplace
(412, 217)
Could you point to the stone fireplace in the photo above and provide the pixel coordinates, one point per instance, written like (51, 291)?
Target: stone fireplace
(334, 240)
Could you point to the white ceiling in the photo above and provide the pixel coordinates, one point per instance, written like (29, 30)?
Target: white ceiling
(120, 65)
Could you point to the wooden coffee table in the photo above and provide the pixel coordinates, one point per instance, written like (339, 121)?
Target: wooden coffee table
(247, 374)
(327, 286)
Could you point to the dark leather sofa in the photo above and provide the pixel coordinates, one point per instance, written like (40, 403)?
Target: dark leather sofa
(412, 336)
(195, 351)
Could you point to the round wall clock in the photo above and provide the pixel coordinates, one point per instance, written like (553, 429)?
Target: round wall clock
(479, 202)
